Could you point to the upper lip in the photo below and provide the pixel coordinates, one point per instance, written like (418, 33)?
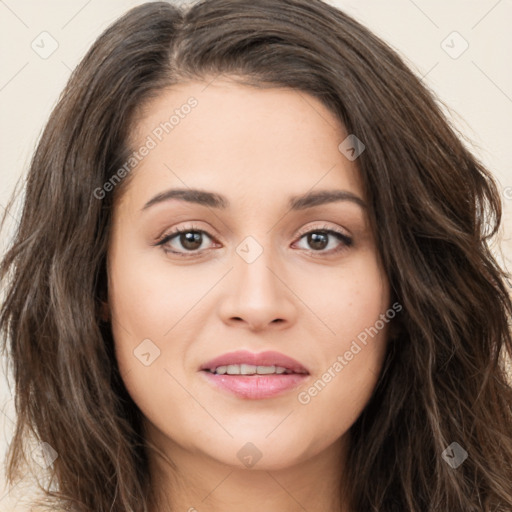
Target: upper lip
(268, 358)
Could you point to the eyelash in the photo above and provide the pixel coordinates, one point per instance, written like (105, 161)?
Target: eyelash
(345, 240)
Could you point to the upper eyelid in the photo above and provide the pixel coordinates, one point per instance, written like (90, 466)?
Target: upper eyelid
(166, 238)
(301, 232)
(307, 230)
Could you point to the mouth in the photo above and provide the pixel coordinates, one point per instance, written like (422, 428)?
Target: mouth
(250, 369)
(254, 376)
(243, 362)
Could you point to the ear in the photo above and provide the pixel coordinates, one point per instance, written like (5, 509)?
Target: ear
(395, 329)
(104, 311)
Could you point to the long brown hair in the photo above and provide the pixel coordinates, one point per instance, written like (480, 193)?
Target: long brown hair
(434, 209)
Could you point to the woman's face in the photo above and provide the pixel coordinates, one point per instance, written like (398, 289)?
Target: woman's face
(276, 255)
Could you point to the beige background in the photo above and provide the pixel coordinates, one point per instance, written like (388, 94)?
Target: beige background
(476, 86)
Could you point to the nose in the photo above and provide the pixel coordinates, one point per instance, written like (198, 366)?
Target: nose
(257, 295)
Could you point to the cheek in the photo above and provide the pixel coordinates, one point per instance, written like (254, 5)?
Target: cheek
(343, 386)
(359, 314)
(346, 299)
(150, 305)
(147, 300)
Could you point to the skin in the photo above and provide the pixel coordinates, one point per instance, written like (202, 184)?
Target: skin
(257, 147)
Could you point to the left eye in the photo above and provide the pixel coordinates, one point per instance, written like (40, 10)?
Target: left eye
(191, 241)
(319, 240)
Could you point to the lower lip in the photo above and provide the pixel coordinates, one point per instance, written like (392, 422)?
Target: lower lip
(256, 386)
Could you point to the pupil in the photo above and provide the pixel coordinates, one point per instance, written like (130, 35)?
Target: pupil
(191, 240)
(318, 240)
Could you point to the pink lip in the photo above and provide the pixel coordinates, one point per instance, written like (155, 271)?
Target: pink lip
(255, 386)
(268, 358)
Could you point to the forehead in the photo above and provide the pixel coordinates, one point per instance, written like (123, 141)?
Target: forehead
(241, 139)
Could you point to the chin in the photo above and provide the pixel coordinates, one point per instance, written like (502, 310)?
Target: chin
(258, 454)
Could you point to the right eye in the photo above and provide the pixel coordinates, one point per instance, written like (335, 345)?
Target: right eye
(190, 239)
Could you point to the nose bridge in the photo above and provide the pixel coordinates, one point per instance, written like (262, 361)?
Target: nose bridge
(255, 257)
(257, 294)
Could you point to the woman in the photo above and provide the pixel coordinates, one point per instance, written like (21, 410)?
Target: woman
(252, 271)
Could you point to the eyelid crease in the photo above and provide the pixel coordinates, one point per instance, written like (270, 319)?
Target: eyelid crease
(327, 229)
(169, 234)
(346, 239)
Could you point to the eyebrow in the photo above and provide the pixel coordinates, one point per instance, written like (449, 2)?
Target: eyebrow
(215, 200)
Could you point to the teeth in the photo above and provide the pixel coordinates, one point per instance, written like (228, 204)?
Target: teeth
(249, 369)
